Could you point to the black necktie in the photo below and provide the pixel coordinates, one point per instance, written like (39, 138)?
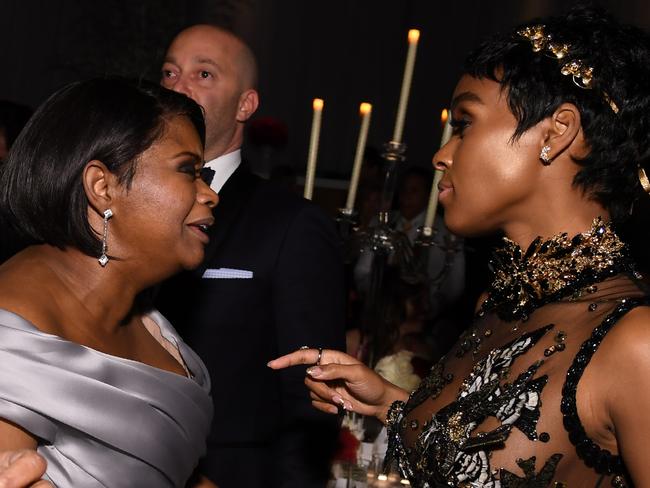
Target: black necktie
(207, 174)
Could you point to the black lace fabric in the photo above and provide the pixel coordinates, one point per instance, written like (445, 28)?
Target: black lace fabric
(506, 406)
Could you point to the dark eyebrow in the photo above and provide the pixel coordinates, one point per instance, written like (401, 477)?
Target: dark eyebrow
(193, 156)
(465, 97)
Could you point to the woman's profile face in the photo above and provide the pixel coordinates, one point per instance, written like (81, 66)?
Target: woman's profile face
(490, 179)
(159, 220)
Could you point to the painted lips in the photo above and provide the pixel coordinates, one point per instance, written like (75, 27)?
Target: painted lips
(444, 189)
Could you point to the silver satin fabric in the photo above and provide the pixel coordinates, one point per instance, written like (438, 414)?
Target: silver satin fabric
(103, 421)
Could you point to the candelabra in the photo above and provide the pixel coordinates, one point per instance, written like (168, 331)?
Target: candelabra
(389, 247)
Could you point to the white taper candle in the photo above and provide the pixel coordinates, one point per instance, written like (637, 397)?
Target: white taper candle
(413, 37)
(313, 148)
(365, 110)
(433, 197)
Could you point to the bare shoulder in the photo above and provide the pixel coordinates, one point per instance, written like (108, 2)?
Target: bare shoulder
(26, 293)
(631, 335)
(608, 395)
(623, 359)
(19, 271)
(626, 346)
(624, 369)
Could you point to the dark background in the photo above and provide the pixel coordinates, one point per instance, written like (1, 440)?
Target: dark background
(342, 51)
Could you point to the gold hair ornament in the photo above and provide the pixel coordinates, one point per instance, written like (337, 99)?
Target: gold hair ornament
(582, 74)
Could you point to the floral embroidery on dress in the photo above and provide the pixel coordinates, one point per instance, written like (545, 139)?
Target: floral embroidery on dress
(446, 451)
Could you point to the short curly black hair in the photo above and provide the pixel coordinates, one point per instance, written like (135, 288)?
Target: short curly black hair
(114, 120)
(620, 57)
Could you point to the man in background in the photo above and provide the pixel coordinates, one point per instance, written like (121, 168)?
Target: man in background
(271, 282)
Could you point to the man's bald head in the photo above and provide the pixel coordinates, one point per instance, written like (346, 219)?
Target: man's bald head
(218, 70)
(241, 55)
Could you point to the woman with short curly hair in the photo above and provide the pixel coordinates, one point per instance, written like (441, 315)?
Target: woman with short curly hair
(550, 386)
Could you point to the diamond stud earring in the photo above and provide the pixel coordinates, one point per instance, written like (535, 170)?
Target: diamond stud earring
(544, 155)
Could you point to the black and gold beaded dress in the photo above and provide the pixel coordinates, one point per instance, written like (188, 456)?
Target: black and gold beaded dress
(500, 409)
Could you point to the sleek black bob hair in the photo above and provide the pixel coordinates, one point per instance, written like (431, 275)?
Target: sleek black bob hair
(620, 56)
(42, 199)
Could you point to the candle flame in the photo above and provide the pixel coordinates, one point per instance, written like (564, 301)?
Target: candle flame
(318, 104)
(365, 108)
(414, 35)
(444, 116)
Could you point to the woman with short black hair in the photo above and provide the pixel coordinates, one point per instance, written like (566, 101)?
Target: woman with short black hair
(103, 196)
(551, 385)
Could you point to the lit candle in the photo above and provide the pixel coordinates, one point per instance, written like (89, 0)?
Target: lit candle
(313, 148)
(446, 131)
(444, 117)
(433, 197)
(413, 37)
(365, 110)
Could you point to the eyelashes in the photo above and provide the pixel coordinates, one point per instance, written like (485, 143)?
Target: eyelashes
(191, 170)
(458, 125)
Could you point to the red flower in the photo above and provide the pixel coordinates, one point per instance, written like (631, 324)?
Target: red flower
(348, 446)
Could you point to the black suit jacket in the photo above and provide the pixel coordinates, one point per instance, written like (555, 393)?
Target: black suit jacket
(295, 297)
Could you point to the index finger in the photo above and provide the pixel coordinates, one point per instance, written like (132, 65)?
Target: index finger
(310, 356)
(301, 356)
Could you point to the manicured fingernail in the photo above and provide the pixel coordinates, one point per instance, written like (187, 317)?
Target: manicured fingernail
(314, 371)
(344, 405)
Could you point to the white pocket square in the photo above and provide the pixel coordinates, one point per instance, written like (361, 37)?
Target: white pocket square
(227, 274)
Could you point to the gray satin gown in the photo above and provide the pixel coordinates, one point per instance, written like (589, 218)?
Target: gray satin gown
(101, 420)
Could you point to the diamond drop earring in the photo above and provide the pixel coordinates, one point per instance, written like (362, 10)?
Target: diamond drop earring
(103, 259)
(544, 155)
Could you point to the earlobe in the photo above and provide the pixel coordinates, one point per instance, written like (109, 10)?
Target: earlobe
(97, 181)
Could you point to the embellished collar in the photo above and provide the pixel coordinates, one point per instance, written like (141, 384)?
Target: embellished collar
(553, 269)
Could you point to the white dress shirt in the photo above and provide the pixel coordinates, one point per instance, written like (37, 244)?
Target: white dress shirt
(223, 167)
